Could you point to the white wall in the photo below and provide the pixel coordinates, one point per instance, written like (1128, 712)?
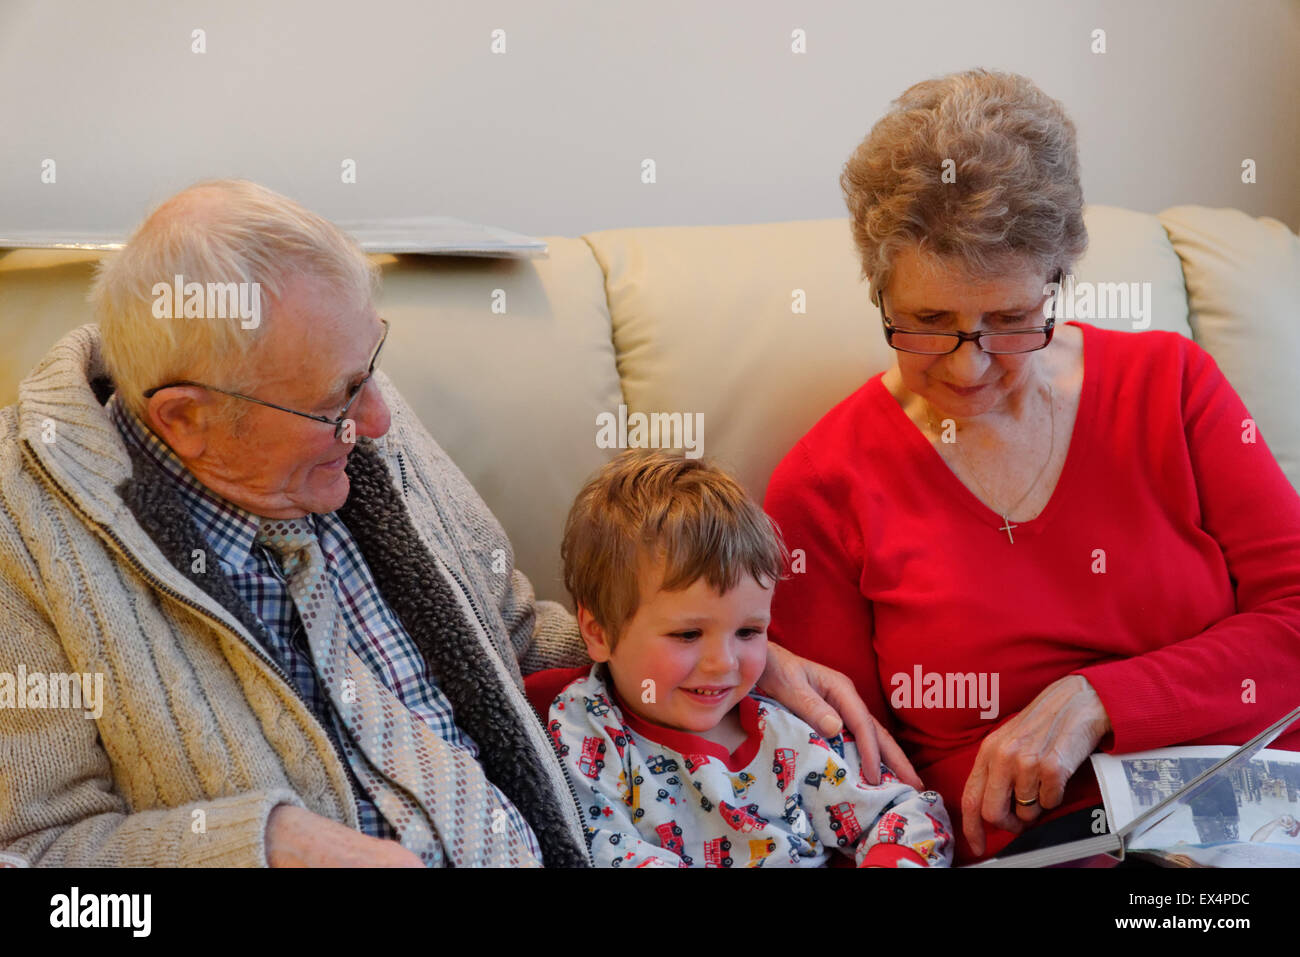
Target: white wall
(549, 137)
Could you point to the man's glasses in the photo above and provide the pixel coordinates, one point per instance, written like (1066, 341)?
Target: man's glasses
(996, 343)
(338, 422)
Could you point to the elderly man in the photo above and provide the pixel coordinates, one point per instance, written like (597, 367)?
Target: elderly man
(283, 580)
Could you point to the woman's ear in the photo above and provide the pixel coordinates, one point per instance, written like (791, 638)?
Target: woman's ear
(598, 645)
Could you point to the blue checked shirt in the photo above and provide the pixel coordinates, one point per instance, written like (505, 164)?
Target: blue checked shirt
(375, 633)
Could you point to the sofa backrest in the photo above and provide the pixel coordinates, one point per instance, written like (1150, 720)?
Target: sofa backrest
(760, 328)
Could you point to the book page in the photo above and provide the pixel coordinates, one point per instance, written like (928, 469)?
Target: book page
(1252, 801)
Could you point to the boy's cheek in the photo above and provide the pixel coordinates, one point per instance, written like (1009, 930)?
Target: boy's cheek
(646, 681)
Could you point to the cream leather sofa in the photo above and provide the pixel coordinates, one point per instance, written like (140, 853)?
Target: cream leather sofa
(703, 319)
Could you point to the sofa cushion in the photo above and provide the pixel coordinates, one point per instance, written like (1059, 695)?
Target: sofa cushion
(42, 297)
(1243, 289)
(513, 397)
(1129, 247)
(705, 321)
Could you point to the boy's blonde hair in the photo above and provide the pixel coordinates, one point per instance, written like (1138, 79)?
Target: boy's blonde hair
(648, 504)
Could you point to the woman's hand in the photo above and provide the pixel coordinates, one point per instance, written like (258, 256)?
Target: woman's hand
(1032, 757)
(822, 696)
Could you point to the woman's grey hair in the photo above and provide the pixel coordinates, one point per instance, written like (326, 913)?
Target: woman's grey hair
(1014, 194)
(220, 231)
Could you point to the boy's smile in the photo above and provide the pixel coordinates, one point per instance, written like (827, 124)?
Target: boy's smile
(686, 658)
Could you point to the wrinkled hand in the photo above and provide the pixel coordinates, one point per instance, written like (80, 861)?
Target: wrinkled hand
(295, 837)
(822, 697)
(1032, 756)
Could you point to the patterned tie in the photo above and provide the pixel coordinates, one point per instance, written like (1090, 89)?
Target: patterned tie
(433, 794)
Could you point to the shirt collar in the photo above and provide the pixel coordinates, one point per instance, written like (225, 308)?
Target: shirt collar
(229, 528)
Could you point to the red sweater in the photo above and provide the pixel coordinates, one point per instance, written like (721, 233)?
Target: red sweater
(1190, 635)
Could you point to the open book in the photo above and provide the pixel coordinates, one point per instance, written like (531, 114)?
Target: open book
(1197, 806)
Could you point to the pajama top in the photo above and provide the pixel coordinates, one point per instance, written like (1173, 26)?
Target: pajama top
(787, 797)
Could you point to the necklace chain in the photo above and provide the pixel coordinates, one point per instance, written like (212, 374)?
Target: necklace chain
(1006, 515)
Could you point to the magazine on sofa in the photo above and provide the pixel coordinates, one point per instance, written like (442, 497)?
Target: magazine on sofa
(1195, 806)
(429, 235)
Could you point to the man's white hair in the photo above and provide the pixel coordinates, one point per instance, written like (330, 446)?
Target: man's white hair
(219, 231)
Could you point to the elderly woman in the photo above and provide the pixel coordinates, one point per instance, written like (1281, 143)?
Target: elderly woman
(1029, 540)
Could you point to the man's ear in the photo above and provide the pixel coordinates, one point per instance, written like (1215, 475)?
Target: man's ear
(181, 416)
(597, 641)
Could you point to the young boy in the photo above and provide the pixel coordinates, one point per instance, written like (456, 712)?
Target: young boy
(673, 758)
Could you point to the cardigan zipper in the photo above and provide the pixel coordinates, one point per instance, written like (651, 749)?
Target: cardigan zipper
(586, 831)
(456, 575)
(474, 606)
(442, 517)
(189, 603)
(401, 467)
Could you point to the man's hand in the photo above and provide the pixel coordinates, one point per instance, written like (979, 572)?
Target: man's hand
(295, 837)
(822, 696)
(1032, 756)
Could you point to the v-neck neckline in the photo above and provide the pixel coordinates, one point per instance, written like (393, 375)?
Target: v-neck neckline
(1079, 438)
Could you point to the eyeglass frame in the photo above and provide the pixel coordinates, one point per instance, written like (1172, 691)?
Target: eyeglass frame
(974, 337)
(338, 423)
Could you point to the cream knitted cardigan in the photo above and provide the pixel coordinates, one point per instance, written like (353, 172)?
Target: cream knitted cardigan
(201, 736)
